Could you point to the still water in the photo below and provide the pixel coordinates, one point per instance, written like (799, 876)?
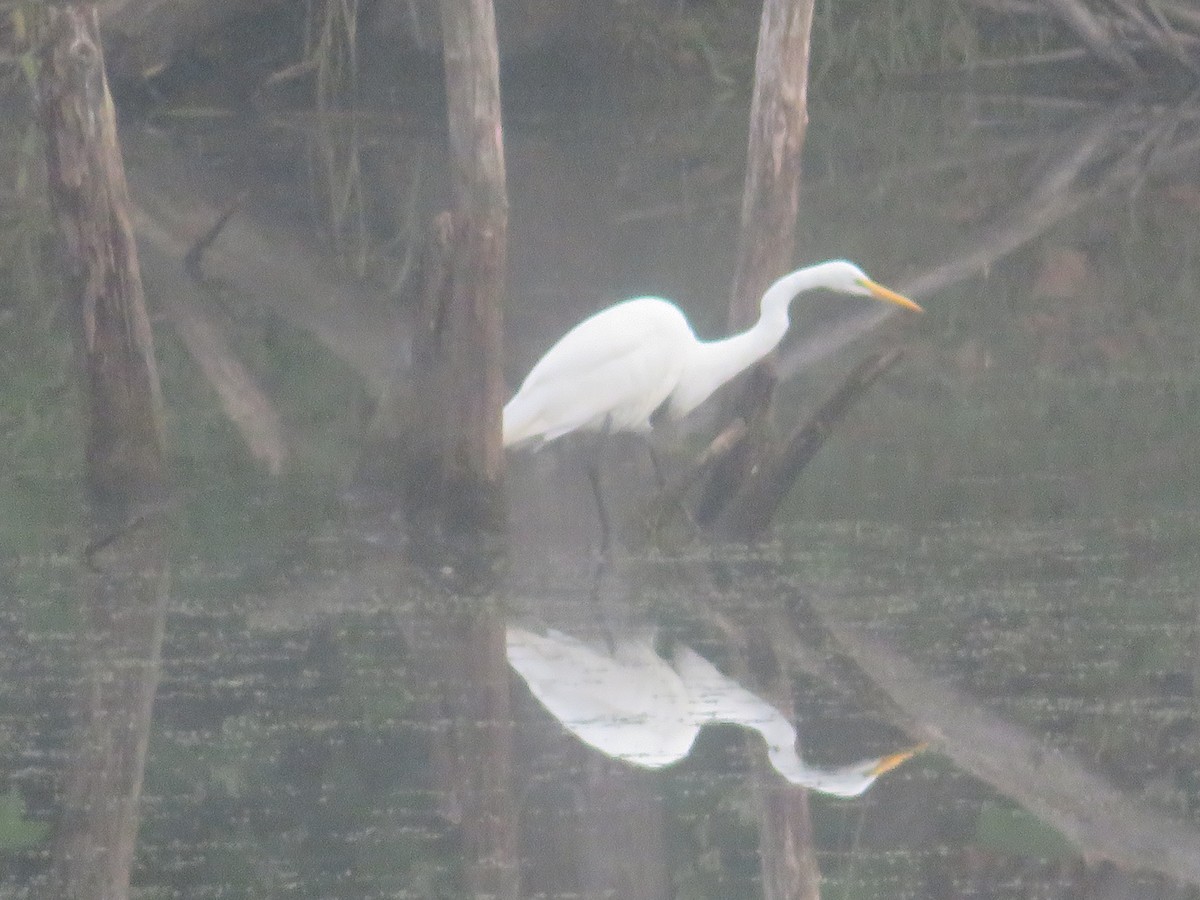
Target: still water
(993, 560)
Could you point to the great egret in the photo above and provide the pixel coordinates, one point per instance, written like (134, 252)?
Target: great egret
(635, 706)
(614, 370)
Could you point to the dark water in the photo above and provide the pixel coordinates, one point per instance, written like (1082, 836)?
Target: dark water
(995, 555)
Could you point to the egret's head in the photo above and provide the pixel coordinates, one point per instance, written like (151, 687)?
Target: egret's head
(847, 278)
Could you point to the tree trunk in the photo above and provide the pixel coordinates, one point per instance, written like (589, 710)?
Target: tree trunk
(125, 600)
(778, 121)
(766, 244)
(91, 205)
(770, 203)
(455, 457)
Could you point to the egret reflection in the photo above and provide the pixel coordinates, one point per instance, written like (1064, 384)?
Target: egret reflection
(634, 705)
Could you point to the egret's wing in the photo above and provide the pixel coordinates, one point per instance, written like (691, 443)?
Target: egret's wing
(620, 363)
(715, 697)
(614, 332)
(632, 708)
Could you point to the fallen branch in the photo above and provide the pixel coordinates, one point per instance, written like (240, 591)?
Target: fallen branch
(753, 508)
(1104, 823)
(242, 400)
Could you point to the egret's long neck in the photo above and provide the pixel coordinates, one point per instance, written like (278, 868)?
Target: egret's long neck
(715, 362)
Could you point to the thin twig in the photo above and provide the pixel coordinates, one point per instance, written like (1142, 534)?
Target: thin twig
(1079, 19)
(194, 258)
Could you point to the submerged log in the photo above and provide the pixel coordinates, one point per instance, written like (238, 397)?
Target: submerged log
(90, 201)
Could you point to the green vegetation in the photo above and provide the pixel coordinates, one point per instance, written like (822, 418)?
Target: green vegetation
(1012, 831)
(17, 832)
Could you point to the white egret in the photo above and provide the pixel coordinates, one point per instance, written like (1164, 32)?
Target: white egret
(619, 368)
(616, 369)
(634, 706)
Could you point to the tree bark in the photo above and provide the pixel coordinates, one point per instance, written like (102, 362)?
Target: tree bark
(125, 603)
(770, 203)
(766, 244)
(456, 459)
(778, 121)
(90, 201)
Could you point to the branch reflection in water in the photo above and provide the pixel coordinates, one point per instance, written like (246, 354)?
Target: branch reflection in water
(636, 706)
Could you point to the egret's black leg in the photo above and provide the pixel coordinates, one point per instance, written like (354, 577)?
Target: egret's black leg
(659, 473)
(593, 473)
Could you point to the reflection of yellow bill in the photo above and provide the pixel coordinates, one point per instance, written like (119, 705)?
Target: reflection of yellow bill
(892, 760)
(884, 293)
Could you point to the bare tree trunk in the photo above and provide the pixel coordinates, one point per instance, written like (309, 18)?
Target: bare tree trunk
(778, 121)
(124, 603)
(787, 860)
(91, 205)
(456, 457)
(770, 203)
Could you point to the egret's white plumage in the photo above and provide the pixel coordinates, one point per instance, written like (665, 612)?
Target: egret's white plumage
(612, 371)
(633, 705)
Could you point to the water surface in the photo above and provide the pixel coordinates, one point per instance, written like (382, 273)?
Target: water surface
(994, 554)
